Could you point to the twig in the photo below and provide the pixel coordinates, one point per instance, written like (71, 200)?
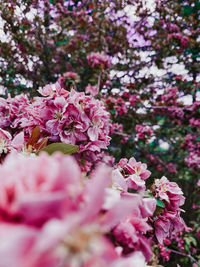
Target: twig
(183, 254)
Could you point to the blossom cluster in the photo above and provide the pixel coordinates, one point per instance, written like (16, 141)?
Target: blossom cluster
(63, 116)
(120, 103)
(168, 222)
(192, 145)
(143, 131)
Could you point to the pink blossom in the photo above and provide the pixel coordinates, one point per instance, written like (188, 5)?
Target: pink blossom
(184, 41)
(5, 138)
(39, 181)
(148, 207)
(30, 253)
(137, 173)
(7, 143)
(143, 131)
(47, 193)
(164, 252)
(168, 224)
(46, 90)
(97, 58)
(118, 181)
(173, 27)
(170, 192)
(171, 167)
(128, 235)
(134, 167)
(159, 167)
(170, 97)
(92, 90)
(71, 75)
(136, 259)
(69, 117)
(195, 122)
(133, 99)
(193, 160)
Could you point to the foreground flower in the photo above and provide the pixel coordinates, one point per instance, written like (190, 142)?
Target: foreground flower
(32, 182)
(48, 208)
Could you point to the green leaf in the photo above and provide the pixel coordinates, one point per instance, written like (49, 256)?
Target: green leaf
(59, 147)
(148, 194)
(191, 240)
(160, 203)
(187, 11)
(198, 139)
(70, 8)
(52, 2)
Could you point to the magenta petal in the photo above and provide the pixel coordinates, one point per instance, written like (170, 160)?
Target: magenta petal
(50, 206)
(96, 191)
(148, 207)
(118, 180)
(18, 141)
(118, 212)
(52, 127)
(60, 102)
(145, 247)
(93, 133)
(144, 175)
(5, 135)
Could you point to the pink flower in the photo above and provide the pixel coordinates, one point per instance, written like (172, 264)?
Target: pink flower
(44, 182)
(170, 192)
(71, 75)
(46, 90)
(49, 210)
(128, 235)
(8, 144)
(159, 167)
(162, 226)
(195, 122)
(134, 167)
(97, 58)
(193, 160)
(123, 162)
(171, 167)
(184, 41)
(143, 131)
(18, 141)
(133, 99)
(137, 173)
(168, 224)
(136, 259)
(5, 138)
(118, 181)
(135, 182)
(92, 90)
(69, 117)
(148, 207)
